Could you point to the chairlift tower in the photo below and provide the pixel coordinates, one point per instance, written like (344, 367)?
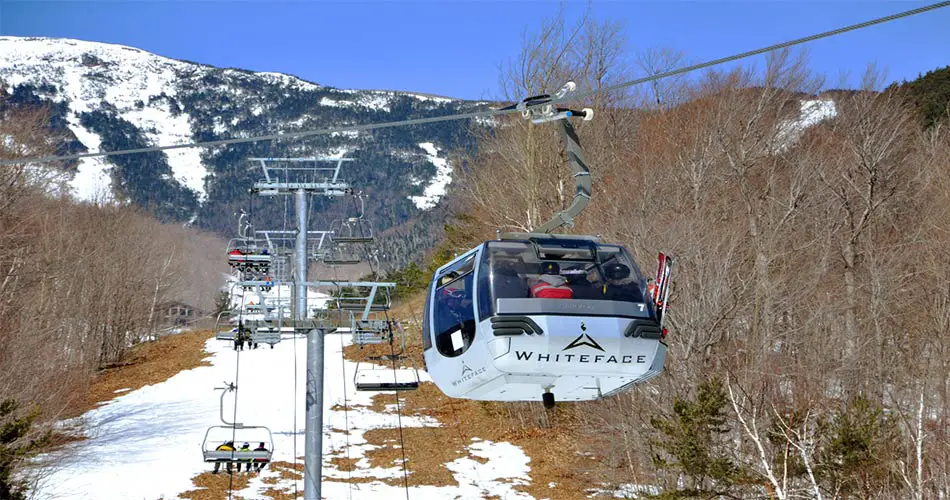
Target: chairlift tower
(279, 243)
(301, 177)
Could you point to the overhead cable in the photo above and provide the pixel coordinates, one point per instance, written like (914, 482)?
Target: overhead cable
(492, 112)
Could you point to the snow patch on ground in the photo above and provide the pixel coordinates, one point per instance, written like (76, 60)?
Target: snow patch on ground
(289, 81)
(326, 101)
(629, 491)
(812, 112)
(376, 100)
(439, 184)
(432, 98)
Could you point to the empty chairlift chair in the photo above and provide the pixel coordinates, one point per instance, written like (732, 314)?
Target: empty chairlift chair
(265, 335)
(370, 376)
(340, 255)
(223, 328)
(375, 301)
(352, 230)
(368, 332)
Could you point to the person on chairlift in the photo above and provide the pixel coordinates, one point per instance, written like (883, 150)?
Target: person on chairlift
(226, 446)
(244, 447)
(550, 284)
(260, 465)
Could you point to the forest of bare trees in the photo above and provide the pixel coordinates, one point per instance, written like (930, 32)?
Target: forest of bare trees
(811, 300)
(79, 282)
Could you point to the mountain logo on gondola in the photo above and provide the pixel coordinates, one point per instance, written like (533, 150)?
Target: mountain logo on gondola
(468, 374)
(584, 339)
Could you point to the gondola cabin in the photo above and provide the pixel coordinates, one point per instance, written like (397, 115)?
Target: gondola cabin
(536, 317)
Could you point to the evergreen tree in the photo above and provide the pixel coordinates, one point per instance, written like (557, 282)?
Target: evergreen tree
(930, 94)
(14, 449)
(858, 460)
(693, 440)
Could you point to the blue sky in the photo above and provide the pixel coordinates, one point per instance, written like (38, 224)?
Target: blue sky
(455, 47)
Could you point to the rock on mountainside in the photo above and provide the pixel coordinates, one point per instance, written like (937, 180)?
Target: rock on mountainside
(110, 97)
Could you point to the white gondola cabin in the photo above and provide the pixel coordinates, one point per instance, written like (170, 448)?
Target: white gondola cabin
(537, 317)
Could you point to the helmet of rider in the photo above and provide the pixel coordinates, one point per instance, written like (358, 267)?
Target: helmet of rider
(550, 268)
(616, 271)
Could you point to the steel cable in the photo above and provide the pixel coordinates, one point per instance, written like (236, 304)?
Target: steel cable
(492, 112)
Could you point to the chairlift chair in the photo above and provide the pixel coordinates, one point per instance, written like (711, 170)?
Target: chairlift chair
(251, 434)
(351, 230)
(340, 255)
(382, 378)
(370, 331)
(236, 432)
(265, 335)
(244, 254)
(380, 303)
(224, 330)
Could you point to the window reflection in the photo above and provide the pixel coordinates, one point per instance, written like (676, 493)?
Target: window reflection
(558, 270)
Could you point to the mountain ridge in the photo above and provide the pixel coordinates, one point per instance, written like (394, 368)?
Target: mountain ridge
(109, 96)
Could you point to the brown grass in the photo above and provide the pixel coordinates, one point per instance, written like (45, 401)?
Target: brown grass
(147, 364)
(215, 486)
(555, 451)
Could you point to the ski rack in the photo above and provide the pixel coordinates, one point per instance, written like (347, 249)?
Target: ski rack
(661, 287)
(272, 185)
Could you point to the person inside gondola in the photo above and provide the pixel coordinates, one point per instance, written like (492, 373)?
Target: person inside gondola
(550, 284)
(226, 446)
(618, 286)
(508, 284)
(455, 316)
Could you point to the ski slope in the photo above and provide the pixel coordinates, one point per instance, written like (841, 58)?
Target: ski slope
(146, 444)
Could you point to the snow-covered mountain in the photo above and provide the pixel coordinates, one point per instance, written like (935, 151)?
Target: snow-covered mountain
(114, 97)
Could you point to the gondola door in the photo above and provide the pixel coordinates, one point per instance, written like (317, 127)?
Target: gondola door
(456, 355)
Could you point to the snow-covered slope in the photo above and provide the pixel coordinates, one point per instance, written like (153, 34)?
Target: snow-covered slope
(117, 97)
(811, 113)
(89, 75)
(147, 443)
(437, 187)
